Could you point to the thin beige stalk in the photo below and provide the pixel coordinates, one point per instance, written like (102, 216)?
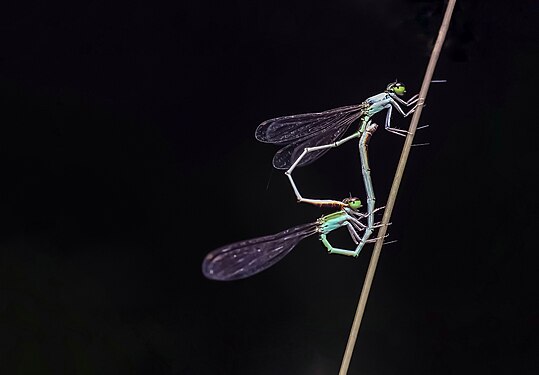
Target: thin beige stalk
(395, 188)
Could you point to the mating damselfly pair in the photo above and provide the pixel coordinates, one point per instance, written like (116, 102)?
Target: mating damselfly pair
(305, 138)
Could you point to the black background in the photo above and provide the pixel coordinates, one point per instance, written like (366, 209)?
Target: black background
(128, 153)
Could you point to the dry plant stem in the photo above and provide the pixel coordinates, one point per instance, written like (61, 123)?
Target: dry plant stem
(394, 189)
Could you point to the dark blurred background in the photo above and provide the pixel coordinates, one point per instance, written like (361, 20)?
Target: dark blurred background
(128, 153)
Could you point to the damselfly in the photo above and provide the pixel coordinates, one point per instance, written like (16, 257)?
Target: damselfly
(298, 132)
(308, 136)
(246, 258)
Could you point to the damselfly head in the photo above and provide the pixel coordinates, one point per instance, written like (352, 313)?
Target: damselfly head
(397, 88)
(353, 203)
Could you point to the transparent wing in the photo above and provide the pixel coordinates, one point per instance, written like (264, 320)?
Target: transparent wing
(246, 258)
(287, 129)
(286, 156)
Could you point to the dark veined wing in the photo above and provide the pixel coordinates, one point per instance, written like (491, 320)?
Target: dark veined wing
(286, 156)
(246, 258)
(287, 129)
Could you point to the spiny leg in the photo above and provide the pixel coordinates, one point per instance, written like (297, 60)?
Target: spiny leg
(387, 125)
(414, 99)
(354, 226)
(353, 234)
(401, 132)
(354, 253)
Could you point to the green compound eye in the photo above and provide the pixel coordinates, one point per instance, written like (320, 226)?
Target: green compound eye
(355, 204)
(399, 89)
